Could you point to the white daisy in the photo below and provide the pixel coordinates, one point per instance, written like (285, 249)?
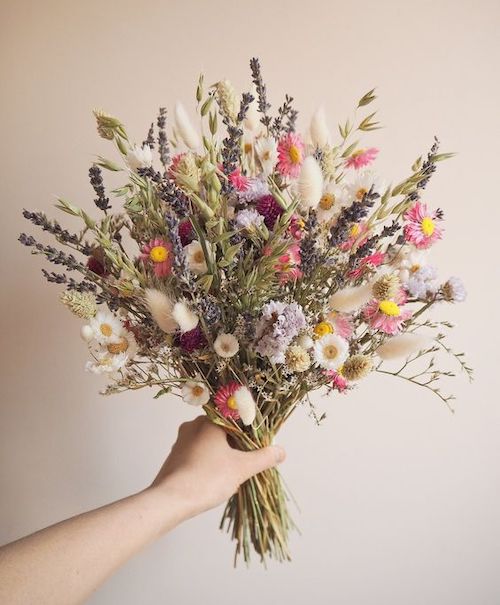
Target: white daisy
(196, 257)
(331, 351)
(362, 183)
(331, 203)
(226, 345)
(195, 392)
(106, 327)
(106, 363)
(139, 157)
(409, 262)
(267, 152)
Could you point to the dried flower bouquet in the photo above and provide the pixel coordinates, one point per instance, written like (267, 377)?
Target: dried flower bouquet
(250, 268)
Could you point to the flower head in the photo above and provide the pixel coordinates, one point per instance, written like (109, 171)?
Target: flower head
(193, 340)
(81, 304)
(267, 153)
(196, 257)
(341, 324)
(107, 328)
(422, 227)
(279, 324)
(330, 351)
(288, 265)
(195, 392)
(248, 219)
(158, 253)
(186, 232)
(226, 345)
(297, 359)
(454, 290)
(270, 210)
(387, 315)
(357, 367)
(361, 185)
(367, 263)
(290, 155)
(357, 233)
(139, 157)
(361, 158)
(239, 181)
(331, 203)
(422, 282)
(236, 401)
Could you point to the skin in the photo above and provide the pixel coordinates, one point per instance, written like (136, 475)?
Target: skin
(65, 563)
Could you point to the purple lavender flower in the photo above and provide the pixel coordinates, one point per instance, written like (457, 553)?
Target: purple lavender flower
(279, 324)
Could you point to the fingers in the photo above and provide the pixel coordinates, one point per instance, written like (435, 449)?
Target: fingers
(261, 460)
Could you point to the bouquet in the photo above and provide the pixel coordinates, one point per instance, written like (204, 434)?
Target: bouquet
(243, 266)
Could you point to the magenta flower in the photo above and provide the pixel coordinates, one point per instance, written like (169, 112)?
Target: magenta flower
(288, 265)
(269, 208)
(361, 158)
(422, 228)
(367, 262)
(226, 402)
(339, 383)
(158, 253)
(387, 316)
(192, 340)
(239, 181)
(290, 155)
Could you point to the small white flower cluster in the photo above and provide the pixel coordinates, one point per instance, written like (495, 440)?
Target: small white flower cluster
(110, 343)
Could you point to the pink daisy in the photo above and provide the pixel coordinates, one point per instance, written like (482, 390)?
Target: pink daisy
(422, 228)
(361, 158)
(341, 324)
(159, 253)
(356, 230)
(288, 265)
(387, 315)
(368, 262)
(290, 155)
(339, 383)
(225, 401)
(239, 181)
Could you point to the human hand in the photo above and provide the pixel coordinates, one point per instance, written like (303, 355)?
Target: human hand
(204, 470)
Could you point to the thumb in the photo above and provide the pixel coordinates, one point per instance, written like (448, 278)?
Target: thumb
(260, 460)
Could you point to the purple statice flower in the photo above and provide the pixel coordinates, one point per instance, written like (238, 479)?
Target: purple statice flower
(248, 218)
(279, 324)
(422, 282)
(257, 188)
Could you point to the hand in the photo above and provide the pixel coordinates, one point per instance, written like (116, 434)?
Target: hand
(204, 470)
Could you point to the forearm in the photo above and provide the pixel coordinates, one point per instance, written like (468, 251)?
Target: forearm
(66, 562)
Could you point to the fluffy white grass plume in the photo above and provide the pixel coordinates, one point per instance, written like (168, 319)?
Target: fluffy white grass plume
(161, 306)
(184, 128)
(252, 118)
(185, 318)
(246, 405)
(350, 299)
(320, 135)
(310, 184)
(402, 346)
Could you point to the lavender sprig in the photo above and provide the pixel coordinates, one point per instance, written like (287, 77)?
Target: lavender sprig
(180, 263)
(285, 112)
(71, 284)
(163, 146)
(263, 105)
(351, 214)
(150, 139)
(101, 201)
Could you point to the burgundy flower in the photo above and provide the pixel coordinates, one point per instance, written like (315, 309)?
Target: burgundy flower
(269, 208)
(192, 340)
(186, 232)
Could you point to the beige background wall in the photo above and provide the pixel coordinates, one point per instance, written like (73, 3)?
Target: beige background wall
(400, 499)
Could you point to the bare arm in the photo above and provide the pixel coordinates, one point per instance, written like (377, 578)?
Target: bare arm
(65, 563)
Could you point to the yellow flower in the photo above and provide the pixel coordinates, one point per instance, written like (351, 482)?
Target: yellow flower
(322, 329)
(389, 307)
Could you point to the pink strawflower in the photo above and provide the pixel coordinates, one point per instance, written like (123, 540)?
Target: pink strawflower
(176, 160)
(288, 265)
(158, 253)
(186, 232)
(341, 324)
(225, 402)
(339, 383)
(296, 227)
(290, 155)
(356, 230)
(367, 262)
(239, 181)
(192, 340)
(269, 208)
(387, 316)
(422, 228)
(361, 158)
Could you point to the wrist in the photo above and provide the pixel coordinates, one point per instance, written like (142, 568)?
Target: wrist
(172, 501)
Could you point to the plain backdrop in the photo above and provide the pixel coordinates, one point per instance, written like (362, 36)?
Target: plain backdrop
(399, 499)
